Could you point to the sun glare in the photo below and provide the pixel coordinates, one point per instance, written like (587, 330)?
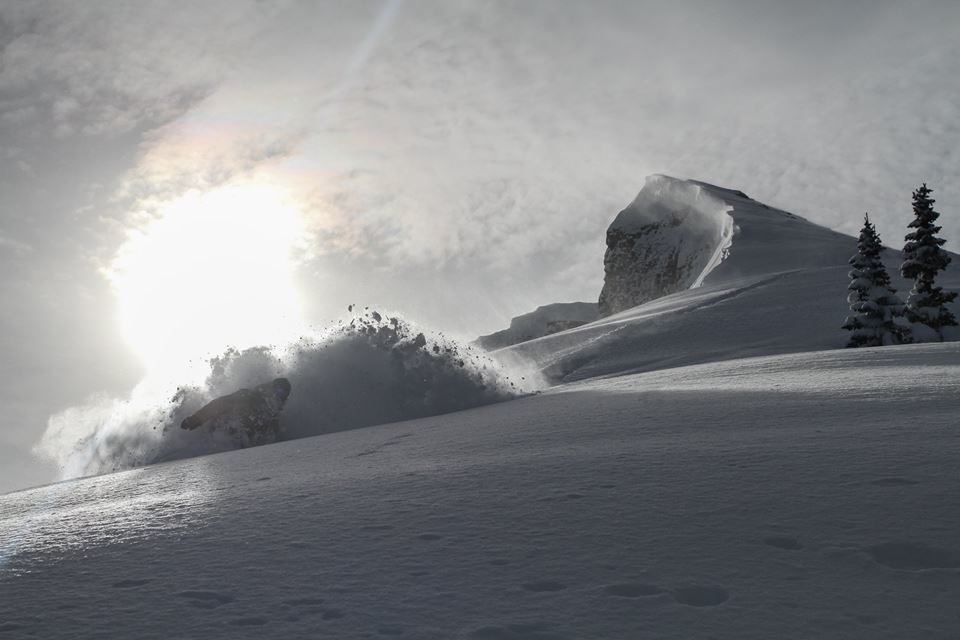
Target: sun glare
(211, 270)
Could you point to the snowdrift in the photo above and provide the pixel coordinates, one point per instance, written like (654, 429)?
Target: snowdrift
(371, 370)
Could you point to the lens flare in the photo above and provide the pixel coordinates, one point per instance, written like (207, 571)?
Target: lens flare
(210, 270)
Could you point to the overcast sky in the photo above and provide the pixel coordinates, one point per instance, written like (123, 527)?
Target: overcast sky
(458, 162)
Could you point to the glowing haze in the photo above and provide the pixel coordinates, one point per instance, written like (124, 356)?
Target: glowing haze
(210, 270)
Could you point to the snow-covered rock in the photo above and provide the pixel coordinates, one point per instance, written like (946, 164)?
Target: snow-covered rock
(680, 234)
(543, 321)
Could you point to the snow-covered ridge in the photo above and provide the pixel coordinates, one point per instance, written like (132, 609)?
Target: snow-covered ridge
(780, 287)
(677, 234)
(768, 240)
(542, 321)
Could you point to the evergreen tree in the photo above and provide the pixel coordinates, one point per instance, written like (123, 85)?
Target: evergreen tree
(875, 305)
(923, 258)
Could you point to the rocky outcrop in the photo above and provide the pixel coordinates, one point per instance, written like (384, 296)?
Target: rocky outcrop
(665, 241)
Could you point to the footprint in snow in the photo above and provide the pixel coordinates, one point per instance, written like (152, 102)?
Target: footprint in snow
(430, 536)
(205, 599)
(536, 631)
(303, 602)
(127, 584)
(909, 556)
(633, 590)
(390, 631)
(542, 586)
(251, 621)
(894, 482)
(783, 542)
(701, 596)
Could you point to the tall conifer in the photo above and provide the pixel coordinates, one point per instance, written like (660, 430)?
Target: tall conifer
(876, 308)
(923, 258)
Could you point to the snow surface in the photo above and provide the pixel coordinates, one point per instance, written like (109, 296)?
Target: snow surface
(672, 486)
(811, 495)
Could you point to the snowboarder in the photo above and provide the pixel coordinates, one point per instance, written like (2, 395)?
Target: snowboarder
(252, 416)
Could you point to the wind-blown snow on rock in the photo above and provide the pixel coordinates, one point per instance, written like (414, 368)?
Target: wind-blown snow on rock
(680, 234)
(666, 240)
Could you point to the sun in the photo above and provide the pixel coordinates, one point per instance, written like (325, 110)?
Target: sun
(210, 270)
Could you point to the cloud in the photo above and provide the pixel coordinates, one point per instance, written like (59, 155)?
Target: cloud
(490, 140)
(15, 245)
(108, 67)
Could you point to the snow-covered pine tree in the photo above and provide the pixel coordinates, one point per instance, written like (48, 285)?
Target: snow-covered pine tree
(923, 258)
(876, 308)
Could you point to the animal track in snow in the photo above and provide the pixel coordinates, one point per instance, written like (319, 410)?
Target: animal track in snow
(701, 596)
(633, 590)
(909, 556)
(783, 542)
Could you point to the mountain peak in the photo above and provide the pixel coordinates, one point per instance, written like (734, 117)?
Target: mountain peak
(677, 234)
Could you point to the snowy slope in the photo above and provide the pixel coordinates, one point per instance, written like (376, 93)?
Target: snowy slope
(799, 496)
(781, 288)
(700, 493)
